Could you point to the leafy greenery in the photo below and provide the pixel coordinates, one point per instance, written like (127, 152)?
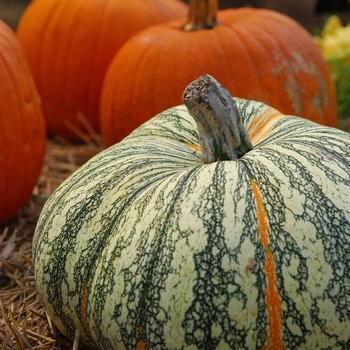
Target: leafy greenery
(334, 41)
(341, 77)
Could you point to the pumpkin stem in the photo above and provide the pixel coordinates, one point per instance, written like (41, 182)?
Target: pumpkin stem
(222, 135)
(202, 15)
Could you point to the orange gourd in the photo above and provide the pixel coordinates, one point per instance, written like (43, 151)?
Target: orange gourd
(69, 45)
(22, 127)
(256, 54)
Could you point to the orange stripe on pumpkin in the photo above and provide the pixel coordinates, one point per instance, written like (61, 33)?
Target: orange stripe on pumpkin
(195, 147)
(262, 125)
(272, 296)
(83, 309)
(141, 345)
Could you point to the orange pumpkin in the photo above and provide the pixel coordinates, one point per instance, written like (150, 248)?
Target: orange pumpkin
(69, 45)
(22, 127)
(256, 54)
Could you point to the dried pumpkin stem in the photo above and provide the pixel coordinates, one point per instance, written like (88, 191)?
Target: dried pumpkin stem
(202, 15)
(222, 135)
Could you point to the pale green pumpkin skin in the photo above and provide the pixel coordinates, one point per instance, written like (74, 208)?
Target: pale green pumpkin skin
(144, 247)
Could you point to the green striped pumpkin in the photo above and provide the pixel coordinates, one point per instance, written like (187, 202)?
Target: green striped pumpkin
(147, 247)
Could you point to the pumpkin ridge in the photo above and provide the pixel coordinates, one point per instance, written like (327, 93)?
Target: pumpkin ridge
(45, 69)
(152, 12)
(160, 82)
(238, 33)
(39, 66)
(90, 90)
(219, 40)
(133, 78)
(65, 63)
(171, 211)
(209, 304)
(144, 308)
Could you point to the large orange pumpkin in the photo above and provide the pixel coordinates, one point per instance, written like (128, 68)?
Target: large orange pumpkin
(257, 54)
(22, 127)
(69, 45)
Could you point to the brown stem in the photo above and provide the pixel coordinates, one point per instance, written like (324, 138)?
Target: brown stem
(202, 15)
(222, 135)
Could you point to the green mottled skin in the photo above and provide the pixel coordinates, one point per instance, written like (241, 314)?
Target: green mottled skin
(144, 243)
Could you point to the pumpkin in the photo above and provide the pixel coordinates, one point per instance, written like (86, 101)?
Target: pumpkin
(69, 45)
(255, 53)
(22, 127)
(228, 232)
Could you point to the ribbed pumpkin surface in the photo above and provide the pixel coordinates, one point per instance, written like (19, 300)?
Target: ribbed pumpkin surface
(22, 128)
(146, 247)
(256, 54)
(69, 45)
